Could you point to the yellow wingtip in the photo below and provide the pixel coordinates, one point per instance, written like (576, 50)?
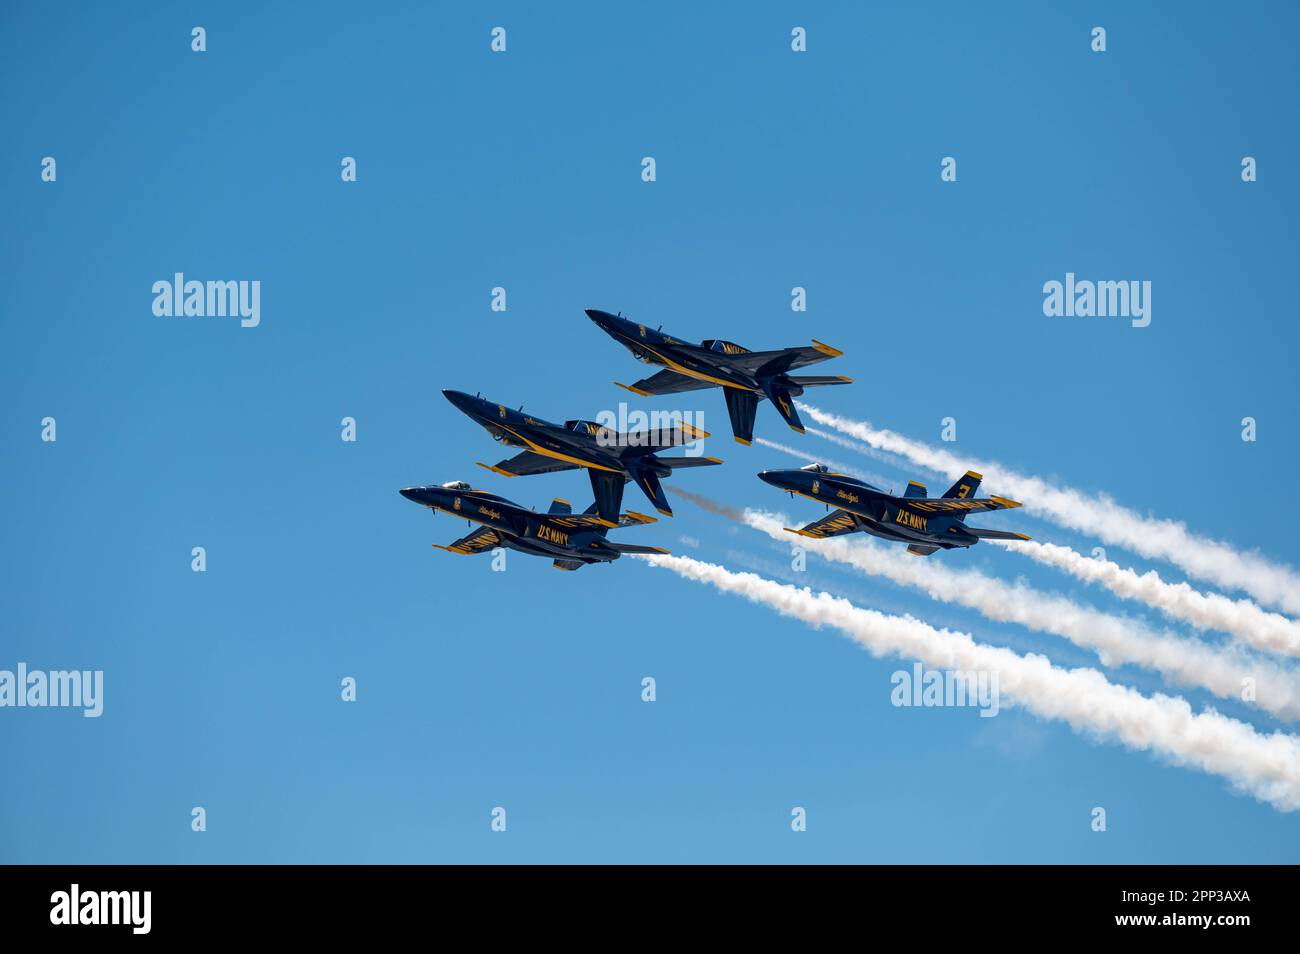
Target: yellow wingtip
(629, 387)
(495, 470)
(692, 431)
(826, 349)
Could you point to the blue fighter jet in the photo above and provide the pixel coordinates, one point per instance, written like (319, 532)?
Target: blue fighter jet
(925, 524)
(746, 377)
(571, 540)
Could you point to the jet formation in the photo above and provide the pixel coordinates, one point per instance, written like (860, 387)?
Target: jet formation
(613, 458)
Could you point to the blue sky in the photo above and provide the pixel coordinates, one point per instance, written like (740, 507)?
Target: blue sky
(522, 689)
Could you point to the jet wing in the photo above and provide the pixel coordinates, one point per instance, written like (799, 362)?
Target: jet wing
(484, 538)
(629, 519)
(638, 443)
(666, 382)
(783, 360)
(955, 505)
(521, 465)
(832, 525)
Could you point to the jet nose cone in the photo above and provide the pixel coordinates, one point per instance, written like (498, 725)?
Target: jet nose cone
(766, 476)
(459, 398)
(411, 493)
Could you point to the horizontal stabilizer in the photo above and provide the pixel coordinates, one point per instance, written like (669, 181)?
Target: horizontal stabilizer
(679, 463)
(996, 534)
(817, 380)
(633, 548)
(676, 433)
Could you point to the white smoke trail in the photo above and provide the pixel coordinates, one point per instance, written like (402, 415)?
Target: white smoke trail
(1212, 560)
(811, 458)
(1242, 618)
(1266, 766)
(1116, 640)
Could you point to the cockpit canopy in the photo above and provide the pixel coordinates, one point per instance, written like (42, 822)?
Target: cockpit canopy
(816, 469)
(455, 485)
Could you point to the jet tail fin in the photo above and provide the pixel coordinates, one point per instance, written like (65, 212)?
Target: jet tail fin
(783, 401)
(741, 407)
(650, 486)
(560, 506)
(965, 487)
(914, 490)
(607, 488)
(918, 549)
(568, 564)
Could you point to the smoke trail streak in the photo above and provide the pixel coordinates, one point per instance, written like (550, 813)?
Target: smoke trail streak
(869, 477)
(707, 503)
(1241, 618)
(1265, 766)
(1212, 560)
(1114, 639)
(884, 457)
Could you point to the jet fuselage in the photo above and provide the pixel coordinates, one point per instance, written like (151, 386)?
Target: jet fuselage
(877, 512)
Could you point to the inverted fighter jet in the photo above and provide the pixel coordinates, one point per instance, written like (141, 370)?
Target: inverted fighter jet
(570, 540)
(611, 457)
(746, 377)
(925, 524)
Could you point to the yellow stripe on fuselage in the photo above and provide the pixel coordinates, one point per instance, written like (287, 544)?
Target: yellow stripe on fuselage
(557, 455)
(698, 375)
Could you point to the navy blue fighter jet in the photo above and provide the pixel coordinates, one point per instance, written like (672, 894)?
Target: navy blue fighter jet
(611, 457)
(746, 377)
(926, 524)
(571, 540)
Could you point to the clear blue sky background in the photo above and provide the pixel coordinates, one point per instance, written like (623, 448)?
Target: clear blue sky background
(522, 688)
